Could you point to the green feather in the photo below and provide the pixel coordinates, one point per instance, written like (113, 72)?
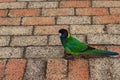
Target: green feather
(75, 47)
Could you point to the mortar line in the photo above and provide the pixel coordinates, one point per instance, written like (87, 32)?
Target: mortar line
(67, 70)
(33, 30)
(89, 74)
(45, 71)
(5, 70)
(25, 69)
(11, 37)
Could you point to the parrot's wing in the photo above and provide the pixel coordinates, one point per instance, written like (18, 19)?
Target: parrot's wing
(76, 46)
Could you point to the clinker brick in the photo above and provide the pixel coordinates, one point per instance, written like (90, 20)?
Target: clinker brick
(15, 69)
(24, 12)
(58, 12)
(115, 11)
(7, 0)
(106, 3)
(13, 5)
(4, 40)
(40, 30)
(106, 19)
(3, 13)
(75, 4)
(56, 69)
(86, 29)
(113, 28)
(35, 70)
(9, 21)
(49, 52)
(38, 21)
(100, 69)
(15, 30)
(43, 4)
(10, 52)
(2, 68)
(91, 11)
(104, 39)
(29, 40)
(78, 70)
(74, 20)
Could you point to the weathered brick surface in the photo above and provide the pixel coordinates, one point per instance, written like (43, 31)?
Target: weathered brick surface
(56, 69)
(103, 39)
(9, 21)
(13, 5)
(35, 70)
(106, 3)
(24, 12)
(29, 40)
(49, 52)
(2, 68)
(43, 5)
(86, 29)
(3, 13)
(100, 69)
(78, 70)
(11, 52)
(115, 11)
(113, 28)
(38, 21)
(4, 40)
(91, 11)
(115, 69)
(15, 69)
(40, 30)
(55, 39)
(75, 4)
(7, 0)
(58, 12)
(106, 19)
(15, 30)
(74, 20)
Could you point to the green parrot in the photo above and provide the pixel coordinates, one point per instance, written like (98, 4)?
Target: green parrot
(75, 47)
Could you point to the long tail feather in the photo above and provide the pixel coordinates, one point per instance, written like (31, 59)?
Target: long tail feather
(103, 52)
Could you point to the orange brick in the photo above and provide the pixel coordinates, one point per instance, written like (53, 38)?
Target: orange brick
(55, 12)
(115, 11)
(38, 21)
(57, 69)
(3, 13)
(114, 48)
(75, 4)
(78, 70)
(39, 30)
(92, 11)
(9, 21)
(2, 68)
(15, 69)
(7, 0)
(24, 12)
(106, 19)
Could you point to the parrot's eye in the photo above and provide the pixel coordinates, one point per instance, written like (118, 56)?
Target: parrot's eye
(60, 34)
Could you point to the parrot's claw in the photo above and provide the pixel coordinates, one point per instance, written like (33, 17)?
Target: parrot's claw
(68, 57)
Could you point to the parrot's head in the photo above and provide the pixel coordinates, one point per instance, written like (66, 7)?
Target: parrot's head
(64, 33)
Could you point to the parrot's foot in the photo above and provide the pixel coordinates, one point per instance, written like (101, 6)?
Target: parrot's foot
(68, 57)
